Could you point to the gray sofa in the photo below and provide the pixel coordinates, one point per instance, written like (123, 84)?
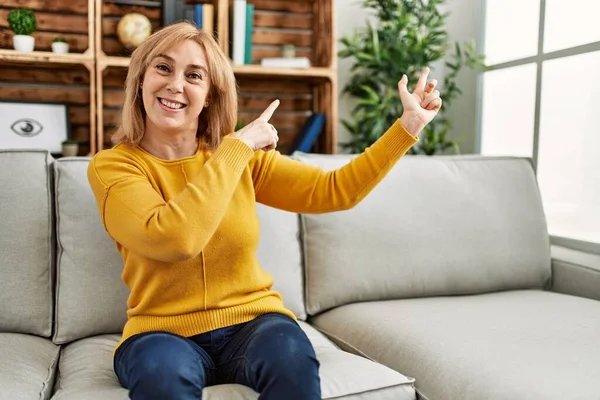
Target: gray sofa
(435, 287)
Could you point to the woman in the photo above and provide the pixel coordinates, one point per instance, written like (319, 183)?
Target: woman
(178, 195)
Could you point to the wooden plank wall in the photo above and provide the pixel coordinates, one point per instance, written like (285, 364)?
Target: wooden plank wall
(296, 103)
(68, 19)
(56, 83)
(281, 22)
(112, 11)
(113, 79)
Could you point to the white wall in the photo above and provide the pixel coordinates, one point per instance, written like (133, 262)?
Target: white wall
(462, 25)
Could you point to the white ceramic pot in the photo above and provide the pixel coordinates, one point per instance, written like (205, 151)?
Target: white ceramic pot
(60, 47)
(24, 43)
(70, 150)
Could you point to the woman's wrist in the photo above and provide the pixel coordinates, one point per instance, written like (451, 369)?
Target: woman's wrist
(412, 123)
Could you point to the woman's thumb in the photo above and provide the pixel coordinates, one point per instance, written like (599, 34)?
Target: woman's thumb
(402, 85)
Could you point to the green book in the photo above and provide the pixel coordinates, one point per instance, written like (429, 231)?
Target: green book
(249, 27)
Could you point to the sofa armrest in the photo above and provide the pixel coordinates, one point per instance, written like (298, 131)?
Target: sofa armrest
(575, 272)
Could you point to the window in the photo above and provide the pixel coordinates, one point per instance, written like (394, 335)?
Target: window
(540, 100)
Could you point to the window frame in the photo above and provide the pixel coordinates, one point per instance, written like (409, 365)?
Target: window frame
(539, 60)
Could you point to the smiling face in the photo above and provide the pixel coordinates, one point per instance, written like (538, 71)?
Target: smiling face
(175, 89)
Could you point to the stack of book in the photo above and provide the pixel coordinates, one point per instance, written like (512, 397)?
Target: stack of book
(242, 26)
(202, 15)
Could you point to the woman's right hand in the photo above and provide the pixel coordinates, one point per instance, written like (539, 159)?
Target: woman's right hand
(260, 134)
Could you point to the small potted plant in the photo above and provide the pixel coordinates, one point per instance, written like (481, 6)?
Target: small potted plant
(70, 148)
(60, 45)
(23, 23)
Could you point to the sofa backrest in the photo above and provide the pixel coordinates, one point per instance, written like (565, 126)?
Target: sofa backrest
(25, 242)
(91, 299)
(446, 225)
(90, 295)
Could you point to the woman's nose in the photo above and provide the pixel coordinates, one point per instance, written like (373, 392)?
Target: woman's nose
(175, 84)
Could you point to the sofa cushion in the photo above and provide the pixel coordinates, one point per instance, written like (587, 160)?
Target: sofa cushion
(91, 299)
(510, 345)
(26, 244)
(86, 373)
(444, 225)
(279, 253)
(27, 366)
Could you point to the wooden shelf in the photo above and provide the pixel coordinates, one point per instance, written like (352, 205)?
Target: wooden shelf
(46, 56)
(257, 70)
(112, 61)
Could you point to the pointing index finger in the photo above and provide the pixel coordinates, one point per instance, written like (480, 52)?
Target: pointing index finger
(420, 87)
(268, 113)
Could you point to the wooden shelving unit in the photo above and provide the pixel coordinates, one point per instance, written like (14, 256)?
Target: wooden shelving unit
(43, 76)
(307, 24)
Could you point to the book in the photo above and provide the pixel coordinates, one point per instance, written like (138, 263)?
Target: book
(169, 12)
(239, 31)
(309, 133)
(249, 28)
(198, 15)
(282, 62)
(208, 18)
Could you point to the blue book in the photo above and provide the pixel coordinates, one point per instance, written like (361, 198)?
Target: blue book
(309, 133)
(198, 16)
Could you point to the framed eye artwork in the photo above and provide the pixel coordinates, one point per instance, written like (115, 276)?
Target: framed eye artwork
(27, 125)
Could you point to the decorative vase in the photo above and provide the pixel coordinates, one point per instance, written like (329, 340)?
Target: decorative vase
(23, 43)
(60, 47)
(70, 149)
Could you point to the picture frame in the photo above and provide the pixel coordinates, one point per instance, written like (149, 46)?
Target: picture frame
(33, 125)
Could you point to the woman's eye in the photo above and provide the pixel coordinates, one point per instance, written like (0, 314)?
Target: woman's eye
(162, 67)
(195, 76)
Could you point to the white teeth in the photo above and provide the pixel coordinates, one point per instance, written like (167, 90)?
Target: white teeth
(171, 105)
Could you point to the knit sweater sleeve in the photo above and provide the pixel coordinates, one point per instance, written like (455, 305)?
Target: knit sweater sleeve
(291, 185)
(135, 215)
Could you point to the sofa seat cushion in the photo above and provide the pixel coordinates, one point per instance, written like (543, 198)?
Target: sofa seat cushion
(86, 373)
(497, 346)
(27, 366)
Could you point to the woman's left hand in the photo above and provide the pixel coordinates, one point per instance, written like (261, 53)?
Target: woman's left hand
(420, 106)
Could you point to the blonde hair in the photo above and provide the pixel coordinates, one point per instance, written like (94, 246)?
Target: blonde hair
(215, 121)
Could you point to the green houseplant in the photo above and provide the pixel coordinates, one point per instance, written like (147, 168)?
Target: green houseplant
(406, 36)
(60, 45)
(23, 23)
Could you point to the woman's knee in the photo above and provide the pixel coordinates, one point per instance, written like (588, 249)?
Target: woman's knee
(287, 350)
(162, 366)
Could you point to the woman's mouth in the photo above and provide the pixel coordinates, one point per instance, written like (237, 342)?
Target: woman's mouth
(170, 105)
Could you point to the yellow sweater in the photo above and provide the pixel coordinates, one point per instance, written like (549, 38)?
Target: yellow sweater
(187, 229)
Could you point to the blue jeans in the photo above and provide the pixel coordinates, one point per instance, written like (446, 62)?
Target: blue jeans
(270, 354)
